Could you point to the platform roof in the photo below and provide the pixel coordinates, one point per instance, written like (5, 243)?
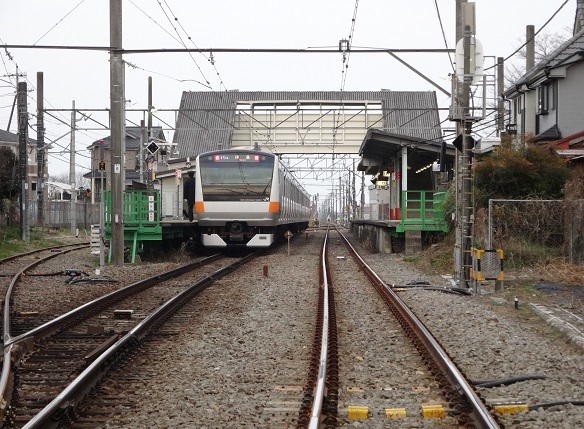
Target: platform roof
(380, 147)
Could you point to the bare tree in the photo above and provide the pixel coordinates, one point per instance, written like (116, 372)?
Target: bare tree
(545, 44)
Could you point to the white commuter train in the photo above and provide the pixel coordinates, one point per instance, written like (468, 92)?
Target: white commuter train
(247, 198)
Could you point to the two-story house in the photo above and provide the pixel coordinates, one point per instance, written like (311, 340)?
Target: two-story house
(10, 140)
(548, 101)
(136, 159)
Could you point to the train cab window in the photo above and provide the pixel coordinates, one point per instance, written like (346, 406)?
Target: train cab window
(236, 176)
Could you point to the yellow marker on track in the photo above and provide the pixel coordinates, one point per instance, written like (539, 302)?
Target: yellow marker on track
(395, 413)
(433, 411)
(510, 408)
(357, 413)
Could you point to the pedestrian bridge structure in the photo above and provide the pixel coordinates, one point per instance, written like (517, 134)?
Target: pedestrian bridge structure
(299, 122)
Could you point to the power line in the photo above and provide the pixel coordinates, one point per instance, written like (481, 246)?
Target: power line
(58, 22)
(443, 33)
(211, 60)
(230, 50)
(181, 40)
(154, 21)
(535, 34)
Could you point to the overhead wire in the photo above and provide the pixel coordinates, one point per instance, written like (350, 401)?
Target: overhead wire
(210, 59)
(344, 75)
(346, 55)
(443, 33)
(29, 82)
(535, 34)
(59, 22)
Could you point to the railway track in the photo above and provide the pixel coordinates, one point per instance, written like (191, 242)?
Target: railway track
(54, 356)
(239, 356)
(321, 396)
(273, 391)
(13, 268)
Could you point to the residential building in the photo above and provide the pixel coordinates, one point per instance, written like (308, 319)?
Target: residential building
(547, 103)
(140, 155)
(10, 140)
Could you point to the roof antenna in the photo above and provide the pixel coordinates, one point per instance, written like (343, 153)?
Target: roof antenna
(256, 146)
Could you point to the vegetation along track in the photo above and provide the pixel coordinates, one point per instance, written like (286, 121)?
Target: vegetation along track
(51, 356)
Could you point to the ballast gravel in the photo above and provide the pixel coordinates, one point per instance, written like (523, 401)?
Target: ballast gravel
(234, 351)
(487, 344)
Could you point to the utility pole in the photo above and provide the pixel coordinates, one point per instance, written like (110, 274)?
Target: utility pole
(143, 140)
(531, 100)
(466, 218)
(362, 195)
(149, 131)
(40, 150)
(468, 66)
(73, 213)
(117, 133)
(457, 94)
(354, 196)
(500, 99)
(23, 159)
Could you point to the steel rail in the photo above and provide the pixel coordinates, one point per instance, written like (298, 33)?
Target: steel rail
(479, 414)
(8, 358)
(12, 353)
(32, 252)
(315, 414)
(52, 415)
(90, 307)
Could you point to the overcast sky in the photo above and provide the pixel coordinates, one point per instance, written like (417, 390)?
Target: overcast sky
(83, 76)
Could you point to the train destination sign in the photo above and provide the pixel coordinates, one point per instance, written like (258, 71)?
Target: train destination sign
(237, 157)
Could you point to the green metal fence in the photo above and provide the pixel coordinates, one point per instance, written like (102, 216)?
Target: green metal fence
(141, 211)
(422, 211)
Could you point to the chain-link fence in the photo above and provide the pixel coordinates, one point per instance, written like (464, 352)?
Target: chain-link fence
(530, 230)
(574, 232)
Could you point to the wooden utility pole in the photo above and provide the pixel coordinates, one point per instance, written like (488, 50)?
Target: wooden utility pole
(117, 134)
(40, 150)
(23, 158)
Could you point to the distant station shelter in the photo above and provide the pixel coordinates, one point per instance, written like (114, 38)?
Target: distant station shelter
(409, 180)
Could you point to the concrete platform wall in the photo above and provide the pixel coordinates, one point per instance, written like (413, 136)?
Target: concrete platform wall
(377, 238)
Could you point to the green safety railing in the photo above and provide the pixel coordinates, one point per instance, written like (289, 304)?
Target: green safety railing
(422, 211)
(141, 211)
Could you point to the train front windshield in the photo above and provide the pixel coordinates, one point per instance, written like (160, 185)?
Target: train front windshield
(236, 176)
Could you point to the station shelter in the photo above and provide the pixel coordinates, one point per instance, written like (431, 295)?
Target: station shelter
(409, 179)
